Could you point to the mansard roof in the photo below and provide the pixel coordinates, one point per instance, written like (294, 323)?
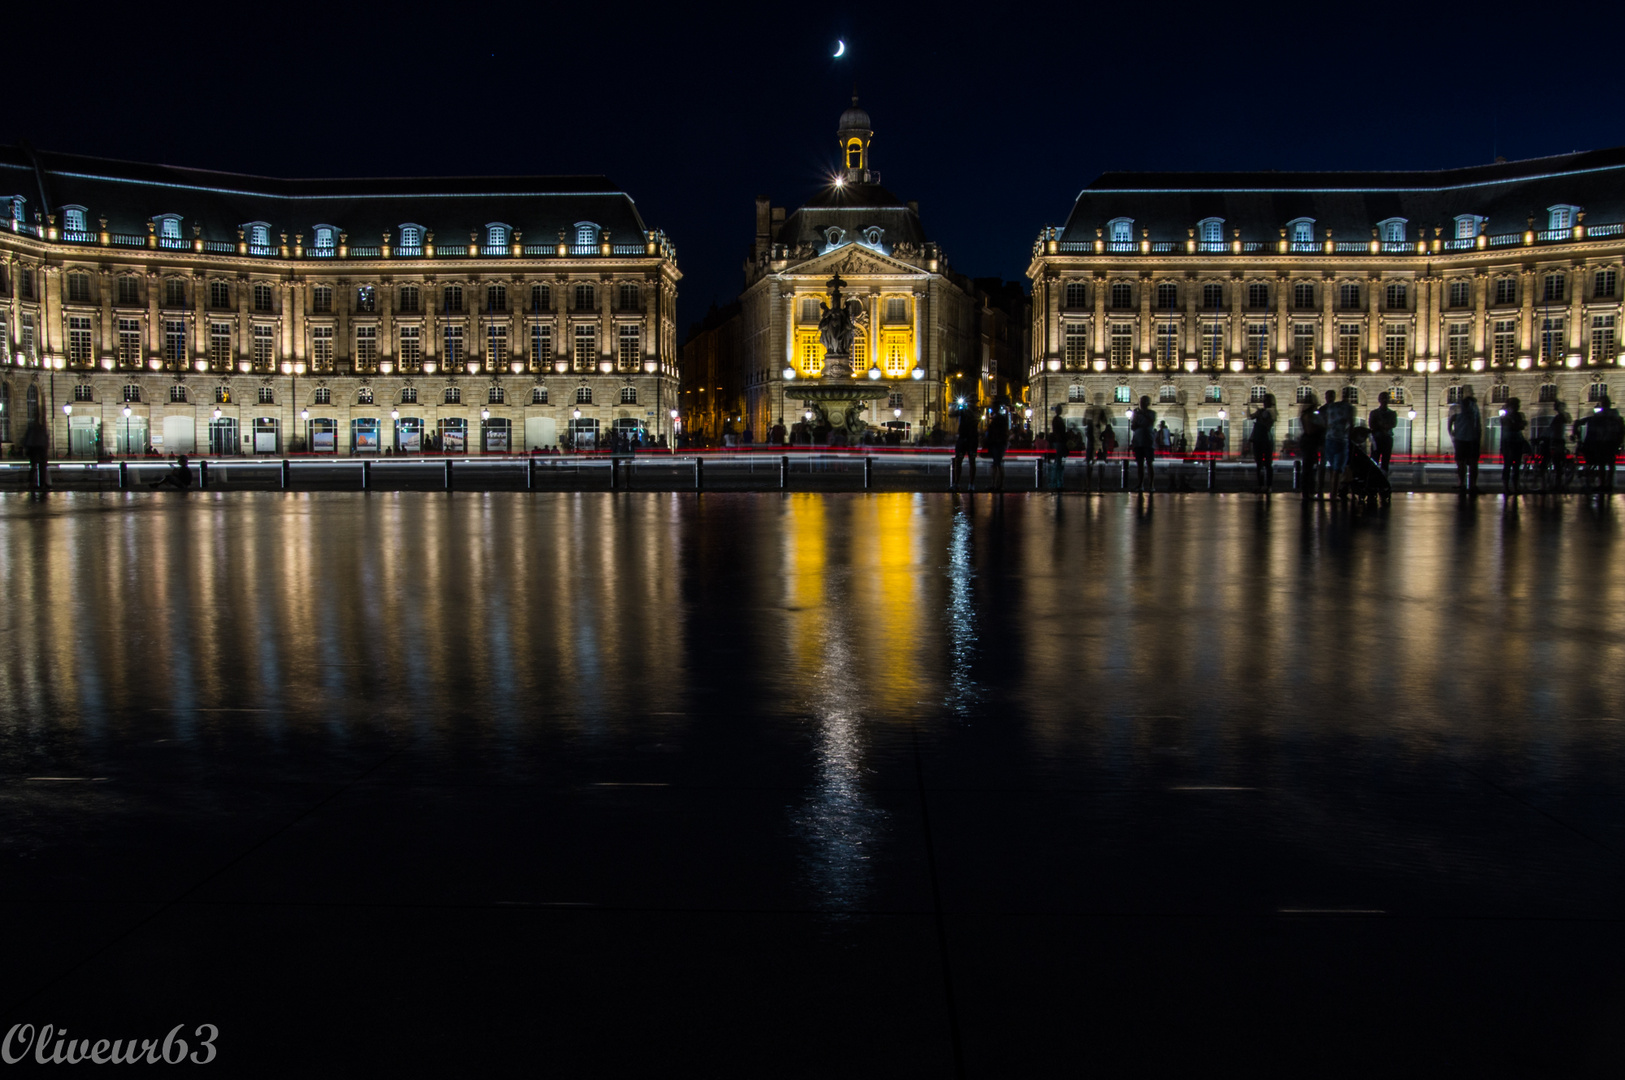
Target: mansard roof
(1352, 203)
(852, 208)
(129, 194)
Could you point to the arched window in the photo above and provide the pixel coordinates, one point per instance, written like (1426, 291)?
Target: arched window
(324, 237)
(259, 236)
(363, 396)
(629, 395)
(73, 219)
(583, 395)
(1302, 230)
(411, 238)
(496, 237)
(324, 396)
(495, 396)
(1560, 216)
(1211, 230)
(1392, 230)
(538, 395)
(586, 234)
(854, 153)
(1121, 230)
(454, 396)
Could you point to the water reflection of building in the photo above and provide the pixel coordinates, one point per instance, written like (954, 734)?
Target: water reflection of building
(248, 314)
(1206, 291)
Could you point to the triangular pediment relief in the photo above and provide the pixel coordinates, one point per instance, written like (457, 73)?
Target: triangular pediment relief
(850, 262)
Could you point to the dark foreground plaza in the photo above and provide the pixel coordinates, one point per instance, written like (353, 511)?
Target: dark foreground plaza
(822, 785)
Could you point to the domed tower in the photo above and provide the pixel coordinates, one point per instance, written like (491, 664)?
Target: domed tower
(854, 136)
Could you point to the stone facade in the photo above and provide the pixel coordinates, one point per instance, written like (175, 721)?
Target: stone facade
(1422, 284)
(258, 343)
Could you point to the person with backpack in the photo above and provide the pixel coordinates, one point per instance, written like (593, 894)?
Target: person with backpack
(1466, 428)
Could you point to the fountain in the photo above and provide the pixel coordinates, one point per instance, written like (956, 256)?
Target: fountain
(837, 397)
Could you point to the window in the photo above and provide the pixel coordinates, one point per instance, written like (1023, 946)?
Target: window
(496, 345)
(452, 299)
(1168, 342)
(1602, 286)
(177, 394)
(222, 395)
(1258, 343)
(1458, 344)
(1121, 395)
(363, 396)
(1499, 393)
(132, 393)
(1553, 293)
(495, 396)
(809, 309)
(496, 238)
(409, 395)
(1212, 345)
(220, 294)
(169, 227)
(496, 298)
(79, 288)
(1506, 290)
(541, 298)
(1214, 394)
(453, 396)
(262, 297)
(321, 348)
(1075, 394)
(583, 395)
(541, 345)
(174, 340)
(631, 347)
(1076, 295)
(174, 292)
(586, 233)
(1393, 230)
(1258, 296)
(83, 392)
(896, 310)
(324, 396)
(1167, 394)
(1303, 296)
(79, 348)
(1452, 395)
(1303, 343)
(25, 283)
(538, 395)
(1396, 341)
(1303, 231)
(129, 342)
(1351, 394)
(1504, 345)
(1396, 395)
(1258, 394)
(629, 395)
(73, 219)
(1596, 392)
(585, 298)
(1077, 344)
(1467, 226)
(1560, 217)
(453, 355)
(411, 240)
(1304, 392)
(1213, 297)
(1397, 296)
(408, 304)
(1348, 345)
(586, 347)
(1461, 294)
(266, 396)
(631, 298)
(1123, 231)
(259, 239)
(1122, 295)
(264, 347)
(1211, 230)
(1602, 339)
(1551, 340)
(324, 238)
(366, 348)
(321, 300)
(1348, 296)
(366, 299)
(411, 348)
(1122, 347)
(129, 290)
(1548, 391)
(1167, 295)
(25, 335)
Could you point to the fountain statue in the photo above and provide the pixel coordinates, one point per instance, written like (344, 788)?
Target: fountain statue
(836, 396)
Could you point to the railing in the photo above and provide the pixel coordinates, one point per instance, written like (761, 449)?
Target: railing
(1554, 234)
(320, 252)
(1398, 247)
(540, 249)
(366, 252)
(174, 243)
(1306, 246)
(1351, 245)
(411, 252)
(221, 247)
(495, 249)
(1506, 240)
(1342, 247)
(261, 249)
(1122, 246)
(627, 249)
(79, 237)
(1604, 230)
(583, 249)
(1216, 246)
(126, 240)
(1165, 246)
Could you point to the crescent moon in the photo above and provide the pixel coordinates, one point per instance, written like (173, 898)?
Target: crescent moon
(840, 48)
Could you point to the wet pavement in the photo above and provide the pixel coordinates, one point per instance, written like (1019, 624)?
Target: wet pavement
(817, 785)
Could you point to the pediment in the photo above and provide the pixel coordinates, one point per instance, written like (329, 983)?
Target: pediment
(851, 261)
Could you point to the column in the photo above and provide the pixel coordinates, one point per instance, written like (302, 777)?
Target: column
(1147, 288)
(1102, 286)
(1328, 319)
(1481, 298)
(1526, 313)
(1576, 283)
(1373, 314)
(431, 325)
(109, 327)
(155, 329)
(1283, 325)
(200, 313)
(1238, 287)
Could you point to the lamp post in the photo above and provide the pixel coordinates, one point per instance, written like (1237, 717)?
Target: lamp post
(126, 431)
(485, 418)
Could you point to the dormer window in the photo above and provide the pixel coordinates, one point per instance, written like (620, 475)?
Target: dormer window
(496, 237)
(1392, 230)
(1211, 230)
(1560, 216)
(324, 237)
(1121, 230)
(18, 208)
(1302, 230)
(1467, 225)
(259, 237)
(73, 219)
(834, 235)
(411, 239)
(586, 234)
(873, 235)
(169, 227)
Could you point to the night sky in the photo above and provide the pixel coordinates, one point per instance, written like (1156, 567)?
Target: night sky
(992, 117)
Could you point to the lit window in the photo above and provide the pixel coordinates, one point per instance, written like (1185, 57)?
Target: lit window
(411, 239)
(1393, 230)
(169, 227)
(264, 347)
(83, 392)
(496, 238)
(586, 234)
(324, 396)
(1122, 231)
(324, 236)
(321, 348)
(366, 348)
(129, 342)
(1303, 231)
(1077, 344)
(363, 396)
(495, 396)
(1504, 345)
(409, 395)
(222, 395)
(583, 395)
(1167, 394)
(1211, 230)
(454, 346)
(259, 238)
(177, 395)
(1212, 343)
(1552, 339)
(541, 345)
(411, 348)
(79, 347)
(1396, 395)
(1559, 217)
(1076, 393)
(496, 345)
(266, 396)
(1214, 394)
(1076, 294)
(586, 347)
(1602, 339)
(132, 393)
(631, 347)
(629, 395)
(1459, 344)
(1122, 344)
(73, 219)
(453, 396)
(1258, 342)
(1348, 345)
(1395, 343)
(538, 395)
(1167, 342)
(1121, 395)
(1467, 226)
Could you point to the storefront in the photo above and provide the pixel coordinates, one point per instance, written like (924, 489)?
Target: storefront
(267, 435)
(453, 435)
(223, 436)
(131, 433)
(496, 435)
(84, 437)
(583, 433)
(322, 436)
(364, 435)
(409, 435)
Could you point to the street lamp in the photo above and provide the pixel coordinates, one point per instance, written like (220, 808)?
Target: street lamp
(126, 431)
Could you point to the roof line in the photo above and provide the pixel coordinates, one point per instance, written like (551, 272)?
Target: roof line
(1343, 190)
(334, 195)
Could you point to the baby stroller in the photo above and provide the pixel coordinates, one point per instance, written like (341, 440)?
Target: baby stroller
(1366, 479)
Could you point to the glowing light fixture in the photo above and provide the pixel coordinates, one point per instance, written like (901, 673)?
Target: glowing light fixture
(1235, 365)
(485, 414)
(789, 373)
(1054, 365)
(874, 373)
(1282, 366)
(304, 414)
(576, 414)
(67, 410)
(126, 411)
(217, 414)
(1328, 365)
(1223, 415)
(394, 414)
(917, 374)
(1411, 413)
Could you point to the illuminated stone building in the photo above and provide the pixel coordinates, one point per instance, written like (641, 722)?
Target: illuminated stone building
(1206, 291)
(239, 314)
(917, 327)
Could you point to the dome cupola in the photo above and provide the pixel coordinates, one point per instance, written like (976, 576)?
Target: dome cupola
(854, 136)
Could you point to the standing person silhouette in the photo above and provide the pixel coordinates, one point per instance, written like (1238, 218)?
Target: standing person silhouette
(1142, 428)
(1310, 441)
(1057, 438)
(1382, 422)
(1514, 446)
(965, 446)
(1263, 440)
(1466, 434)
(998, 441)
(1339, 428)
(37, 445)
